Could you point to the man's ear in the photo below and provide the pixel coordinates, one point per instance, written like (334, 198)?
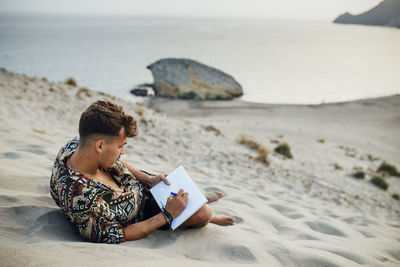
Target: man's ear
(100, 145)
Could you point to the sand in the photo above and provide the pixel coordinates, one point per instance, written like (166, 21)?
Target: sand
(294, 212)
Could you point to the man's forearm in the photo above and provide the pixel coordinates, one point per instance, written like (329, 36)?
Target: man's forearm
(139, 230)
(141, 176)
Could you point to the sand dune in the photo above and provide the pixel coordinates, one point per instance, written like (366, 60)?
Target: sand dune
(299, 212)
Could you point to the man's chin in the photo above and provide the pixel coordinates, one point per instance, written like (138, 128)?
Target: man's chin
(107, 166)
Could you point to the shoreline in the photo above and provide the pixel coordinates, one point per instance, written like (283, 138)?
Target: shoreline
(153, 101)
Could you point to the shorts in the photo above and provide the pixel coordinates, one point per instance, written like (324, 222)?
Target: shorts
(151, 209)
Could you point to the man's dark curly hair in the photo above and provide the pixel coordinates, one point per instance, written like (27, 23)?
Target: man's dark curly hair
(104, 118)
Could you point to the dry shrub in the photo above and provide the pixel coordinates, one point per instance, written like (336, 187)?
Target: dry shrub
(84, 91)
(211, 128)
(70, 81)
(359, 175)
(284, 149)
(380, 182)
(146, 122)
(389, 169)
(337, 166)
(139, 111)
(262, 151)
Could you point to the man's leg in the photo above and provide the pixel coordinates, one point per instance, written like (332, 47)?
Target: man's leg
(204, 215)
(200, 218)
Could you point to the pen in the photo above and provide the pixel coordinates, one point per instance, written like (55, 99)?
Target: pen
(172, 193)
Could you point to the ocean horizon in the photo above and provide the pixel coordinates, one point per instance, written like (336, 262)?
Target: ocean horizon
(275, 61)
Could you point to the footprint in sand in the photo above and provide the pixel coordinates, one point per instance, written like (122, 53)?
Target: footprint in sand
(53, 226)
(35, 149)
(238, 219)
(296, 234)
(233, 187)
(325, 228)
(161, 239)
(250, 230)
(238, 253)
(263, 197)
(395, 254)
(282, 209)
(295, 216)
(11, 155)
(349, 256)
(240, 201)
(36, 222)
(367, 234)
(287, 258)
(286, 211)
(4, 200)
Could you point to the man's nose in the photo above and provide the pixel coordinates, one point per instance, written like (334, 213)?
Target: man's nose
(122, 151)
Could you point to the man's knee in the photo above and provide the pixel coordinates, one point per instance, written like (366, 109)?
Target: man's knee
(203, 215)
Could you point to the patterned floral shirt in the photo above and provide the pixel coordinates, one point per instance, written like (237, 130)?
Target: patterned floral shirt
(99, 212)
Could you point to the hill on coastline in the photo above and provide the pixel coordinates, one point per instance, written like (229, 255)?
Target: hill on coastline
(387, 13)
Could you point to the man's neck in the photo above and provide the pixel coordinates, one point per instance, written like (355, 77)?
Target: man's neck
(83, 161)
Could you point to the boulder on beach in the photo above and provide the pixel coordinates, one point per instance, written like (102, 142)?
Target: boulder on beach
(189, 79)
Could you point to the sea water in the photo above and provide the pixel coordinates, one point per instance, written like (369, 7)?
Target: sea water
(299, 62)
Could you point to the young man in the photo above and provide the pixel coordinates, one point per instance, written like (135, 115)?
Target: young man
(105, 198)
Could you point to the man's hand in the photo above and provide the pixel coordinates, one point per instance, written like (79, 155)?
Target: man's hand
(153, 180)
(176, 204)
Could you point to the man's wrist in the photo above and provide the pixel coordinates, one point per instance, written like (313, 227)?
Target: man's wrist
(168, 217)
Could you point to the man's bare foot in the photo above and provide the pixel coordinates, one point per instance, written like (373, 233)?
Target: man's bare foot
(217, 196)
(222, 220)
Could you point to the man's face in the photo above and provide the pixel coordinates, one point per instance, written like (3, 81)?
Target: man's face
(113, 149)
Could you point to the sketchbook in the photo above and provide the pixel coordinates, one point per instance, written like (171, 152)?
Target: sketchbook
(178, 179)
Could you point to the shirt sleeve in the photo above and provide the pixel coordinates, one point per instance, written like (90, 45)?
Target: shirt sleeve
(95, 219)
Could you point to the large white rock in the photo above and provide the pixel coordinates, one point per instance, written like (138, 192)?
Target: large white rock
(189, 79)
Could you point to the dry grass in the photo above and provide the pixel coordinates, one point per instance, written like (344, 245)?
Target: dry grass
(369, 157)
(146, 122)
(211, 128)
(38, 131)
(139, 111)
(263, 156)
(350, 152)
(262, 151)
(357, 168)
(70, 81)
(84, 91)
(337, 166)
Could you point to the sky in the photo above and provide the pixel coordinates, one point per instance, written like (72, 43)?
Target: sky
(264, 9)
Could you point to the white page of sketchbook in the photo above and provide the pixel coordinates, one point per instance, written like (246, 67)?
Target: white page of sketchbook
(179, 178)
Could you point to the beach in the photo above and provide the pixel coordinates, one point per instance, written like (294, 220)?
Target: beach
(304, 211)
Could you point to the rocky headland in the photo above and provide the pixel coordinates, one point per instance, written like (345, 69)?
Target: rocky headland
(387, 13)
